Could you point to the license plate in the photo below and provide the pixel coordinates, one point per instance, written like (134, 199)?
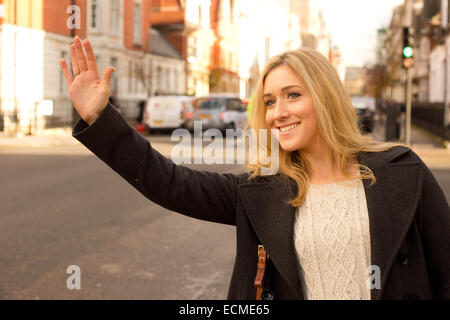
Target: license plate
(158, 121)
(204, 116)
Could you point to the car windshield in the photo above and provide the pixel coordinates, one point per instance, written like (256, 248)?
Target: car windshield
(363, 102)
(359, 105)
(209, 103)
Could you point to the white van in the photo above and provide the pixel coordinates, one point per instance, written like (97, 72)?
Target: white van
(167, 112)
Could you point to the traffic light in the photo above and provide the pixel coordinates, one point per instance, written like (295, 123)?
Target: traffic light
(407, 49)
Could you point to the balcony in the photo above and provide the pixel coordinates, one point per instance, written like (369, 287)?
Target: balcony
(162, 18)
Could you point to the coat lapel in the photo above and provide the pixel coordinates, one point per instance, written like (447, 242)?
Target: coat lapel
(391, 204)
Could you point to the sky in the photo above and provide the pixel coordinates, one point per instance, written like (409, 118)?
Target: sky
(353, 25)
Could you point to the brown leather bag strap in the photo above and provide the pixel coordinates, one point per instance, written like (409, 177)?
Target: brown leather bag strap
(260, 271)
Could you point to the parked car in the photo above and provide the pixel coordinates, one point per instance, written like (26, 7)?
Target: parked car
(365, 109)
(219, 111)
(167, 112)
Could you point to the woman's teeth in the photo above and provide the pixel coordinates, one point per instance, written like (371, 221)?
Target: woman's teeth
(284, 129)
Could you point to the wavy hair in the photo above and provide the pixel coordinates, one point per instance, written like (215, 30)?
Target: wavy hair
(336, 117)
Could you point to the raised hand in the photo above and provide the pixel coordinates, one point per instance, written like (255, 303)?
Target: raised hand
(88, 92)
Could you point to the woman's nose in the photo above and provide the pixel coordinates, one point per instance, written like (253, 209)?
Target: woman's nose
(281, 111)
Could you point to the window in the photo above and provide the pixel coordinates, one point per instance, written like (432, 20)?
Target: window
(133, 77)
(158, 77)
(204, 14)
(130, 76)
(137, 82)
(114, 81)
(95, 15)
(172, 88)
(115, 16)
(137, 21)
(163, 80)
(192, 49)
(168, 73)
(62, 80)
(234, 105)
(193, 12)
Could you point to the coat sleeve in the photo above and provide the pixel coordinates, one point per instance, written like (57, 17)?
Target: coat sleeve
(199, 194)
(435, 216)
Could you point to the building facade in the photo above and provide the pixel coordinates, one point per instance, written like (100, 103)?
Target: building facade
(119, 31)
(187, 26)
(314, 32)
(224, 73)
(355, 81)
(35, 35)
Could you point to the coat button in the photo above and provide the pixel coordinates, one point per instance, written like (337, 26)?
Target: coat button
(404, 258)
(267, 295)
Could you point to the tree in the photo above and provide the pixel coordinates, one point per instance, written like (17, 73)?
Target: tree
(144, 73)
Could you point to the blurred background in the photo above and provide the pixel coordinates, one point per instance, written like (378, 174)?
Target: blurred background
(178, 61)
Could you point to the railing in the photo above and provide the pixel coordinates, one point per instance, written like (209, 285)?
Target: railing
(429, 116)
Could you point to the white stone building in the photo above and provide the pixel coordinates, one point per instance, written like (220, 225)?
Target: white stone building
(267, 28)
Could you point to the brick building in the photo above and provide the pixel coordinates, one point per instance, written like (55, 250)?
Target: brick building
(224, 77)
(36, 34)
(187, 26)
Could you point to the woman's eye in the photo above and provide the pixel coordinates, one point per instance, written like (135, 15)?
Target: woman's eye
(268, 103)
(293, 95)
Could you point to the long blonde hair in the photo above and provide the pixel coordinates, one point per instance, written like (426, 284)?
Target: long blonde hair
(336, 117)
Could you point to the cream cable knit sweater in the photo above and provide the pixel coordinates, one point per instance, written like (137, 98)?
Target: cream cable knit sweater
(332, 241)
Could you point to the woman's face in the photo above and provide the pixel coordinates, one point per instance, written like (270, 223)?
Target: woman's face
(290, 109)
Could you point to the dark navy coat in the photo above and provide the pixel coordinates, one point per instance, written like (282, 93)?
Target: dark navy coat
(408, 214)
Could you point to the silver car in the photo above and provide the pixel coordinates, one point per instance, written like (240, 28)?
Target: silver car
(219, 111)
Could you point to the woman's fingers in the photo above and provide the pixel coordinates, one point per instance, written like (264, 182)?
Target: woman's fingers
(91, 60)
(81, 58)
(73, 58)
(67, 75)
(107, 74)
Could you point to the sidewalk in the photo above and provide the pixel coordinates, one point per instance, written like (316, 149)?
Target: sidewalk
(50, 137)
(55, 141)
(433, 151)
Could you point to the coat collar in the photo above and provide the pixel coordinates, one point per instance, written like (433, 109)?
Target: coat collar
(391, 204)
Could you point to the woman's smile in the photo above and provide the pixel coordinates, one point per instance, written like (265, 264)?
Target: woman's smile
(288, 129)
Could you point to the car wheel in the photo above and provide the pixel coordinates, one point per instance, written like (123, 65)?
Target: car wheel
(227, 126)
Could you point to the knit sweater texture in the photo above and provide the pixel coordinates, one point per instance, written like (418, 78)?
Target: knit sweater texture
(332, 241)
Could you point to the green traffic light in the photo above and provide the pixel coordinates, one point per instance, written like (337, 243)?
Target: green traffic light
(407, 52)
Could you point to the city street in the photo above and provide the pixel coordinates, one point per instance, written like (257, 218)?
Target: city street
(60, 210)
(62, 206)
(73, 229)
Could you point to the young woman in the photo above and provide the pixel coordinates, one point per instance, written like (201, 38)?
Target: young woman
(343, 218)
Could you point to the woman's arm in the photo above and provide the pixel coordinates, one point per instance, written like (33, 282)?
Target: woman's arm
(200, 194)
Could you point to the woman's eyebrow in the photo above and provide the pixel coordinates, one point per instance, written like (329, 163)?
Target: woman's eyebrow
(290, 87)
(283, 89)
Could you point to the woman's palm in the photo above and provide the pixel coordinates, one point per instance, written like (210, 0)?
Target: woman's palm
(88, 92)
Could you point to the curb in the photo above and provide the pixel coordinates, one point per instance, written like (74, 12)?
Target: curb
(443, 142)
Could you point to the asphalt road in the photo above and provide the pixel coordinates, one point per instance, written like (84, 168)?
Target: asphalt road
(59, 210)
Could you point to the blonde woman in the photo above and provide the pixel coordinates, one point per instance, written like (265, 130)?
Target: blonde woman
(344, 218)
